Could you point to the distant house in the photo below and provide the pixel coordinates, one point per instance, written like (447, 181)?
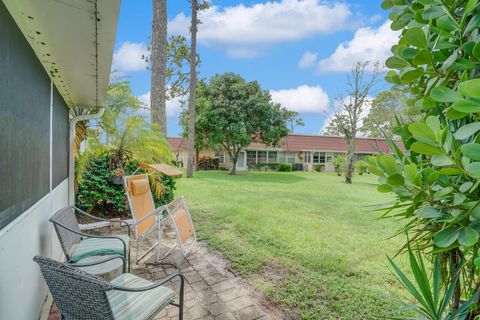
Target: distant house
(304, 151)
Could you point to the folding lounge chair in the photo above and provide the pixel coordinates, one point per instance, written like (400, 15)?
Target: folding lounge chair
(78, 246)
(83, 296)
(148, 220)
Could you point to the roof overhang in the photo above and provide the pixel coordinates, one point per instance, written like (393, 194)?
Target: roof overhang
(74, 41)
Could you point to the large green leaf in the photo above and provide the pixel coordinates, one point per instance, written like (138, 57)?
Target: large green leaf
(467, 130)
(474, 169)
(422, 132)
(465, 186)
(433, 12)
(416, 37)
(441, 160)
(444, 94)
(388, 163)
(422, 57)
(396, 63)
(466, 106)
(471, 151)
(447, 23)
(453, 114)
(410, 171)
(476, 50)
(387, 4)
(428, 212)
(396, 179)
(470, 88)
(411, 75)
(468, 237)
(384, 188)
(446, 237)
(450, 171)
(425, 148)
(376, 171)
(470, 6)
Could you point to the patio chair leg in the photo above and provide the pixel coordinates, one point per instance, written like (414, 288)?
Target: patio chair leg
(182, 291)
(129, 260)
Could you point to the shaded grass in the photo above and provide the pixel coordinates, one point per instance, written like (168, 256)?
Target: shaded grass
(307, 240)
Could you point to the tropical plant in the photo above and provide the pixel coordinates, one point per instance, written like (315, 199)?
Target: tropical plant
(361, 167)
(430, 293)
(339, 162)
(435, 178)
(97, 194)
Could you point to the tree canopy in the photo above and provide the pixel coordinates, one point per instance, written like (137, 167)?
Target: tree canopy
(381, 118)
(232, 113)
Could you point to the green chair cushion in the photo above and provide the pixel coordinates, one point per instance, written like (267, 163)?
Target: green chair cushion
(99, 246)
(138, 305)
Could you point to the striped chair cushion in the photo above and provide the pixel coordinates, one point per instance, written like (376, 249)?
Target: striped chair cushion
(99, 246)
(138, 305)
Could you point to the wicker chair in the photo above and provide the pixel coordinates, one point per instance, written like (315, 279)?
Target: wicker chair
(83, 296)
(69, 234)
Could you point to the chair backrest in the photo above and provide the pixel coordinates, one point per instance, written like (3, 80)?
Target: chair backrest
(180, 216)
(140, 200)
(77, 294)
(66, 217)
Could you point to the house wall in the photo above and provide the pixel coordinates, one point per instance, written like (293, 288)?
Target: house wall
(33, 171)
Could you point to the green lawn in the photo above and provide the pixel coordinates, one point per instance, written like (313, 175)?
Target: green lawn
(307, 240)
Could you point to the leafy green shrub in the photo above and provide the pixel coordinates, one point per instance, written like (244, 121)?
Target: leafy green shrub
(435, 179)
(97, 194)
(320, 167)
(263, 166)
(361, 167)
(208, 163)
(339, 163)
(285, 167)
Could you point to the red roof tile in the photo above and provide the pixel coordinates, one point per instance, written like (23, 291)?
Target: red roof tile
(177, 143)
(300, 142)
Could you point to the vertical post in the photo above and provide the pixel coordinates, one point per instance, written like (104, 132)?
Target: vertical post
(51, 164)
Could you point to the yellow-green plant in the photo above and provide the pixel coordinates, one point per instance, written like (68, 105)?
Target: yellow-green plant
(435, 177)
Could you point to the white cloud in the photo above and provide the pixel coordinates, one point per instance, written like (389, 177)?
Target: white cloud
(308, 60)
(263, 24)
(302, 99)
(174, 107)
(368, 44)
(129, 57)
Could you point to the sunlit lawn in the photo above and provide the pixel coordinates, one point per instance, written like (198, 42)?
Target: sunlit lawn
(307, 240)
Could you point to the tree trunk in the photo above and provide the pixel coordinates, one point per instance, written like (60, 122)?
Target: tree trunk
(191, 98)
(350, 160)
(234, 157)
(233, 169)
(158, 60)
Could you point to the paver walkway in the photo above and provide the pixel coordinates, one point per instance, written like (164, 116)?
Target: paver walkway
(211, 290)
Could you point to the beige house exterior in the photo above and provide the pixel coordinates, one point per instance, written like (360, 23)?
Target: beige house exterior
(302, 151)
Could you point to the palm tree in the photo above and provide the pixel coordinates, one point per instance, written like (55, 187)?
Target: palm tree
(158, 59)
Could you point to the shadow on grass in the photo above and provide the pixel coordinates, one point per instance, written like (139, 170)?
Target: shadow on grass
(255, 177)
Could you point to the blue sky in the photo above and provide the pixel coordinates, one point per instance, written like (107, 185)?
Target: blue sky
(299, 50)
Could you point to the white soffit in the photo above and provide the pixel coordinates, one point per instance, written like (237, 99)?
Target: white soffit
(74, 41)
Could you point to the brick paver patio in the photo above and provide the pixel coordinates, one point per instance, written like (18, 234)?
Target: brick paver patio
(211, 290)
